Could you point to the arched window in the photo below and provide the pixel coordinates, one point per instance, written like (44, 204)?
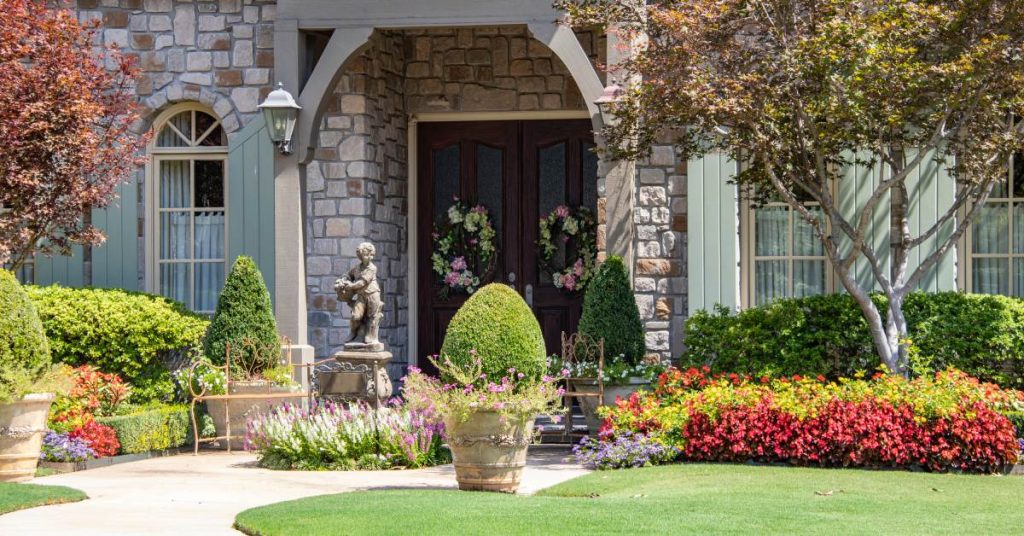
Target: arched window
(187, 207)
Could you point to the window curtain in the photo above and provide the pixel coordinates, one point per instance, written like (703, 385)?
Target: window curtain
(772, 276)
(209, 244)
(990, 275)
(175, 186)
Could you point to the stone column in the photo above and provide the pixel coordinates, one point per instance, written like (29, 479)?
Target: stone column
(620, 181)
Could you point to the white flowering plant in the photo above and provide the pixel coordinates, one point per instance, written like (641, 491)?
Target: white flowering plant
(617, 370)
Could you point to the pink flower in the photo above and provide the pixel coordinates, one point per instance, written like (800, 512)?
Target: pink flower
(452, 279)
(562, 211)
(569, 281)
(459, 264)
(480, 209)
(577, 268)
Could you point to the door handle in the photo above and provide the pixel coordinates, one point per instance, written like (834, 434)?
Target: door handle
(511, 277)
(529, 295)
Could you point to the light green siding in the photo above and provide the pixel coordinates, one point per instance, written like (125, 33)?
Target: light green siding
(251, 198)
(712, 227)
(60, 269)
(115, 264)
(931, 190)
(855, 187)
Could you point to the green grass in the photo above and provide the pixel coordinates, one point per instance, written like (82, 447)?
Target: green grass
(20, 496)
(674, 499)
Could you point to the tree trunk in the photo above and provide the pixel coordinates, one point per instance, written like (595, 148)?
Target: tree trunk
(888, 334)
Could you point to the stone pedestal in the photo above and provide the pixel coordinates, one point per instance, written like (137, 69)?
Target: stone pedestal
(364, 362)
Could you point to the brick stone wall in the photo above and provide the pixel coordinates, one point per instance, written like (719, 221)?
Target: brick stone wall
(660, 278)
(357, 191)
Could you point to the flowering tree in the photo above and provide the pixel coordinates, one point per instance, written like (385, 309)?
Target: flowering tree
(64, 129)
(799, 90)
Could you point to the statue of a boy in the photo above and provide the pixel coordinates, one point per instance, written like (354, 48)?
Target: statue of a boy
(362, 292)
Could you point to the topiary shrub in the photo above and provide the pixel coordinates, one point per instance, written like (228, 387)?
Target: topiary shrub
(496, 326)
(610, 312)
(24, 350)
(157, 428)
(245, 320)
(119, 332)
(980, 334)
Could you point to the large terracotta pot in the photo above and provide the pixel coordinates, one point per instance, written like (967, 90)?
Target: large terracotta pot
(22, 426)
(489, 455)
(244, 408)
(590, 404)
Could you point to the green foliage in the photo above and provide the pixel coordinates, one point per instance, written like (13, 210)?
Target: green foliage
(24, 350)
(151, 429)
(610, 312)
(1017, 419)
(245, 320)
(120, 332)
(496, 326)
(980, 334)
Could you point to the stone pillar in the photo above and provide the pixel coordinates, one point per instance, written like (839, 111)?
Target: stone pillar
(619, 180)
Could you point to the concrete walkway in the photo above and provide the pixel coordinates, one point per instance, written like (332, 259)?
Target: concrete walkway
(201, 495)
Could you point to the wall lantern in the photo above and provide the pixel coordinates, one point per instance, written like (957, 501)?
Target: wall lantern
(280, 111)
(612, 94)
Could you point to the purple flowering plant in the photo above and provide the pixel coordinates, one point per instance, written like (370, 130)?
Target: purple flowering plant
(58, 447)
(625, 450)
(514, 396)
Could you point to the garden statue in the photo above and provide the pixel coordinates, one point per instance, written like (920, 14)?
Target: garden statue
(362, 292)
(364, 353)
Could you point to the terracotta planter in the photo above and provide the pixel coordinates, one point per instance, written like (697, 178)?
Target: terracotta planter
(244, 408)
(489, 455)
(589, 405)
(22, 426)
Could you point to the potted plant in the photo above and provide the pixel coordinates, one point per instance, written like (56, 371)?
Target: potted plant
(610, 314)
(491, 388)
(244, 327)
(28, 382)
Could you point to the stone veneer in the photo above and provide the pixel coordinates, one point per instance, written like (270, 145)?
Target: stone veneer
(659, 270)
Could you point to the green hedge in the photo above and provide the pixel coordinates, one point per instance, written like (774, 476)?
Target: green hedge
(119, 332)
(980, 334)
(154, 429)
(24, 352)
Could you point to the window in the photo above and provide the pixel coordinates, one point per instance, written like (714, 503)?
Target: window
(996, 238)
(782, 256)
(187, 205)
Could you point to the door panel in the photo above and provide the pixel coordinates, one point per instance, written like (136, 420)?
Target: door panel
(503, 165)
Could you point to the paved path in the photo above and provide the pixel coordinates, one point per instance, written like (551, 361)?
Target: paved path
(201, 495)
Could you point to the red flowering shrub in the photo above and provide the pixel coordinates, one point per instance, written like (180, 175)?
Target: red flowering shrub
(95, 394)
(102, 439)
(946, 422)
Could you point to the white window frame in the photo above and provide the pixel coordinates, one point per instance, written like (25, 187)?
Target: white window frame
(153, 210)
(748, 256)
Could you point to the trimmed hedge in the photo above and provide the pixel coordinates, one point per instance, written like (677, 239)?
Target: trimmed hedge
(24, 350)
(119, 332)
(496, 326)
(154, 429)
(610, 312)
(245, 319)
(980, 334)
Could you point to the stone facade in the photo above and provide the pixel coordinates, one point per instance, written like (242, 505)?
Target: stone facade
(659, 271)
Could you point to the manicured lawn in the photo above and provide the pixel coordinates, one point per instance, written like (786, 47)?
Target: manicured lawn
(676, 499)
(19, 496)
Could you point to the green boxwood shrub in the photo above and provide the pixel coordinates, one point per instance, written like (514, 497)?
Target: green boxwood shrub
(121, 332)
(151, 429)
(245, 319)
(980, 334)
(610, 312)
(24, 350)
(497, 324)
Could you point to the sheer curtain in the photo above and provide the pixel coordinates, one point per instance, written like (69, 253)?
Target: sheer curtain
(771, 239)
(175, 228)
(990, 236)
(209, 245)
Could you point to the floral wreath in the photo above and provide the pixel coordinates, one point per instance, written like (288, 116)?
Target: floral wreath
(561, 225)
(464, 250)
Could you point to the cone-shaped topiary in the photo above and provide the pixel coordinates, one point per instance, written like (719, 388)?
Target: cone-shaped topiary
(610, 312)
(245, 318)
(24, 350)
(497, 324)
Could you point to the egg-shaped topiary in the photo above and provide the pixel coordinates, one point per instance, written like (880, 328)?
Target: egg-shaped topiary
(24, 349)
(245, 320)
(497, 324)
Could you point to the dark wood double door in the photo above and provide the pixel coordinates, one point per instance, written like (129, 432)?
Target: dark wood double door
(520, 171)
